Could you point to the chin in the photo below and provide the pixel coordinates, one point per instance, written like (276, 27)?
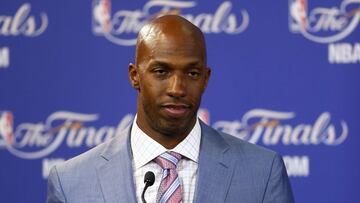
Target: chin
(174, 127)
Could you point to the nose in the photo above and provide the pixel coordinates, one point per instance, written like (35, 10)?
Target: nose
(177, 86)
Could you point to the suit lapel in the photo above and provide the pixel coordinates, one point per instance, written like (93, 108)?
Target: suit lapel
(215, 167)
(115, 170)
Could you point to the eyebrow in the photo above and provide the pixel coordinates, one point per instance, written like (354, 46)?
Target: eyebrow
(159, 63)
(168, 64)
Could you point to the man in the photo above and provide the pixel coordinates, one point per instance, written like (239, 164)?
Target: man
(192, 162)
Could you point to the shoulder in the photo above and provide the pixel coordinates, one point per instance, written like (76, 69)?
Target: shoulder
(240, 146)
(247, 148)
(86, 164)
(76, 178)
(73, 175)
(262, 170)
(255, 156)
(83, 160)
(250, 158)
(95, 156)
(80, 166)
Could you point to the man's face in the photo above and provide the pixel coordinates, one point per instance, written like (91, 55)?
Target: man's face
(172, 75)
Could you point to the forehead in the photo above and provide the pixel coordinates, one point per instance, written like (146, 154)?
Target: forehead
(177, 45)
(171, 45)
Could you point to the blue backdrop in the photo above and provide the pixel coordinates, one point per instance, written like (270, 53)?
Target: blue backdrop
(285, 75)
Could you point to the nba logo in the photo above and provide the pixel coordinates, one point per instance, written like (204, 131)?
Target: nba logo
(298, 15)
(204, 115)
(101, 16)
(6, 126)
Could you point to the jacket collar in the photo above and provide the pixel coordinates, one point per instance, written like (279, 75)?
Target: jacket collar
(216, 167)
(115, 170)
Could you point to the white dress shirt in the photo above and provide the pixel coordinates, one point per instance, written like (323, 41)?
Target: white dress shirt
(145, 150)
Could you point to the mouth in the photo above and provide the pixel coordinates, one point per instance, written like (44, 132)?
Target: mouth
(176, 110)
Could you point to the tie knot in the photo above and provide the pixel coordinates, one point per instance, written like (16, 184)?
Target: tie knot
(168, 160)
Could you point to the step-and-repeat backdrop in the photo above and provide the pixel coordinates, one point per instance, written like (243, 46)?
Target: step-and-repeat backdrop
(285, 75)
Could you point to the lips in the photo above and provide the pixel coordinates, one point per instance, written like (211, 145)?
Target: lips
(176, 110)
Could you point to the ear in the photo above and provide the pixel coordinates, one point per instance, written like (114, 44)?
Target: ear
(134, 76)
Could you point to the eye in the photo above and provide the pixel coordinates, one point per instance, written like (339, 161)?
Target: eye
(194, 74)
(160, 71)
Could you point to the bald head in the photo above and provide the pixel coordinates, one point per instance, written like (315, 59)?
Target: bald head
(171, 29)
(170, 75)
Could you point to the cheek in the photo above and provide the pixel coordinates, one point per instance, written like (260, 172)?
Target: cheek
(151, 91)
(147, 84)
(196, 90)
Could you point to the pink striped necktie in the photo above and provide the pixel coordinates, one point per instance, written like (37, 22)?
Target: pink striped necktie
(170, 189)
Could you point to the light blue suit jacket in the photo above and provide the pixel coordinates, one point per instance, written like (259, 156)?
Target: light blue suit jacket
(230, 170)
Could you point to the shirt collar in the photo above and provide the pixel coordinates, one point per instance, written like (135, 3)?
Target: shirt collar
(145, 149)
